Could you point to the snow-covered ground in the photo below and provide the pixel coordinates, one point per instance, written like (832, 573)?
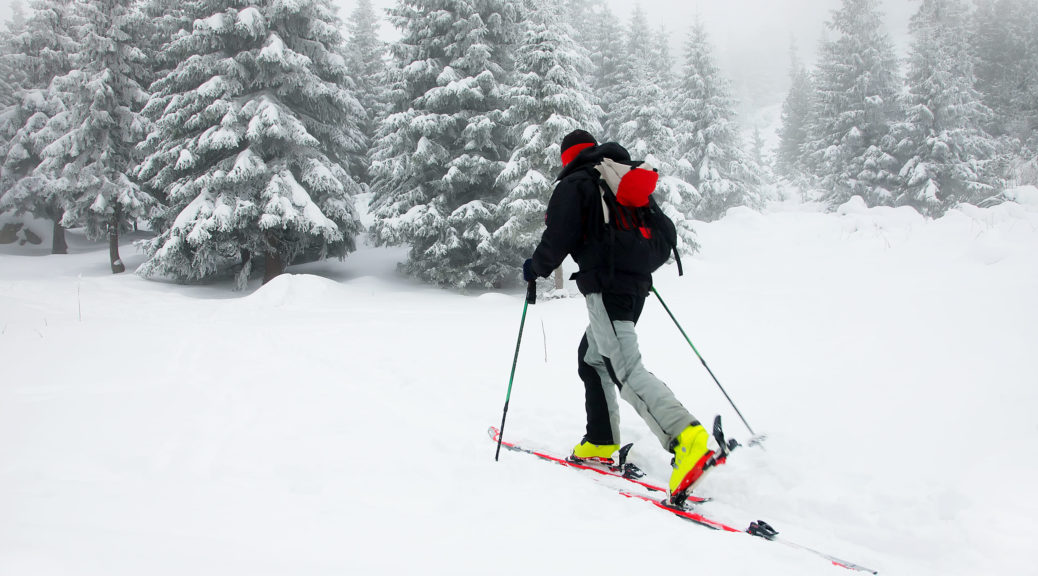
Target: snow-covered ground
(334, 421)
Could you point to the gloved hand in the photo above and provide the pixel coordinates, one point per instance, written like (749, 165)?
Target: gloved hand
(528, 274)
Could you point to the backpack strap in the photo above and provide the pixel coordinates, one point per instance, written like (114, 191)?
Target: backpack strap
(607, 199)
(654, 209)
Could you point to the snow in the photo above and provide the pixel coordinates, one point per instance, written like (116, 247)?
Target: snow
(334, 421)
(247, 165)
(201, 205)
(251, 21)
(216, 23)
(1024, 195)
(213, 87)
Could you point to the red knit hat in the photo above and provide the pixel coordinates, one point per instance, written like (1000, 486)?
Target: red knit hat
(575, 142)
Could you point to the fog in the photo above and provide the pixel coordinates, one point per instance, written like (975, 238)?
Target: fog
(752, 37)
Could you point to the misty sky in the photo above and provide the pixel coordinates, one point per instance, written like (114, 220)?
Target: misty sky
(751, 36)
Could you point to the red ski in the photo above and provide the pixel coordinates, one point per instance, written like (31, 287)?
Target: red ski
(631, 473)
(624, 470)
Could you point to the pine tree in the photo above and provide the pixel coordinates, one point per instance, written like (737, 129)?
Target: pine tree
(640, 116)
(944, 142)
(94, 154)
(254, 129)
(549, 100)
(712, 158)
(40, 52)
(1004, 34)
(850, 147)
(162, 21)
(439, 154)
(10, 75)
(1004, 41)
(605, 44)
(796, 118)
(367, 66)
(8, 78)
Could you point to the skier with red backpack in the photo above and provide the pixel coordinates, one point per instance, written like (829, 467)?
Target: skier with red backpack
(602, 213)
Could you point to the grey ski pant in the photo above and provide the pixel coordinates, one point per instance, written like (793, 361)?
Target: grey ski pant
(610, 361)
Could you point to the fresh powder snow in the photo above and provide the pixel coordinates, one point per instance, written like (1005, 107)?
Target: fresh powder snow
(334, 421)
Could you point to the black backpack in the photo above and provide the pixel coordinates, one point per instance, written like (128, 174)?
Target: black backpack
(638, 236)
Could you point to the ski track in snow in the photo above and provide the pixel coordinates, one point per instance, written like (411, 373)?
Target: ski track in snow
(334, 421)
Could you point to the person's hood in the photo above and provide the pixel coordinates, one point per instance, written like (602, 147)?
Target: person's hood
(593, 155)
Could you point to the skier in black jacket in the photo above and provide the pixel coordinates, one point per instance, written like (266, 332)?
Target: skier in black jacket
(615, 287)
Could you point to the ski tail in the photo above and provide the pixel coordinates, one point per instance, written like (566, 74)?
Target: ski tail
(624, 470)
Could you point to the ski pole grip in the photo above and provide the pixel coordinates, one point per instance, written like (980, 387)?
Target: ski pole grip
(531, 292)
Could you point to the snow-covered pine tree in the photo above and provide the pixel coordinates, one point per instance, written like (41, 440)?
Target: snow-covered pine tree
(41, 51)
(1004, 41)
(162, 21)
(944, 143)
(639, 93)
(7, 73)
(1004, 34)
(661, 62)
(602, 34)
(796, 118)
(642, 112)
(712, 158)
(550, 99)
(757, 146)
(366, 53)
(255, 127)
(439, 153)
(100, 128)
(850, 146)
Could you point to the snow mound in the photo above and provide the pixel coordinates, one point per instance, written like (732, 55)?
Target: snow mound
(1025, 195)
(855, 205)
(886, 215)
(292, 290)
(495, 298)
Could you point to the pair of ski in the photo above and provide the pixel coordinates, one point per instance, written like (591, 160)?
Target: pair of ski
(684, 508)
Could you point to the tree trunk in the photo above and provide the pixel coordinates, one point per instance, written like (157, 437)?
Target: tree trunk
(274, 265)
(58, 244)
(559, 281)
(113, 243)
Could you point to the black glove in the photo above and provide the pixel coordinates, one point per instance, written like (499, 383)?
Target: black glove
(528, 274)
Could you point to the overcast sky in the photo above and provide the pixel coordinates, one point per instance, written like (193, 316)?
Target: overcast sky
(751, 36)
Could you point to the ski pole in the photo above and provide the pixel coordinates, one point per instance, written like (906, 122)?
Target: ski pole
(531, 298)
(687, 339)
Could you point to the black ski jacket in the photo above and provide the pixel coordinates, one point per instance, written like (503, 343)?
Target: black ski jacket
(572, 221)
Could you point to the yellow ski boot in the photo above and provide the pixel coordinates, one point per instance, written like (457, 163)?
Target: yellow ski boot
(690, 455)
(588, 452)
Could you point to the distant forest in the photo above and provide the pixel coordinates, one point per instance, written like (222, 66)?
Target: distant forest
(241, 132)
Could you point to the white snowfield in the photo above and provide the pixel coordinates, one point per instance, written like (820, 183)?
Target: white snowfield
(334, 421)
